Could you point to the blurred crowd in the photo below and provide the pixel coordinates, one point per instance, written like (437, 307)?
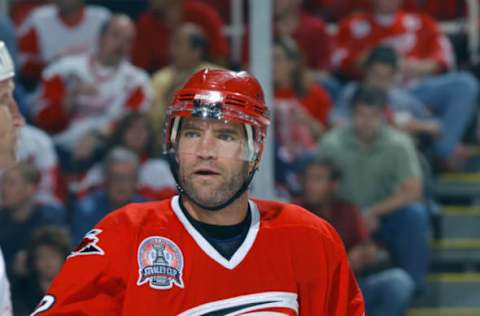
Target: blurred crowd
(371, 100)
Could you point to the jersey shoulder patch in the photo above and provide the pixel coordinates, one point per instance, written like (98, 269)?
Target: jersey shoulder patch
(89, 245)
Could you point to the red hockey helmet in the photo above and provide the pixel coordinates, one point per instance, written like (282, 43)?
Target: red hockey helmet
(223, 95)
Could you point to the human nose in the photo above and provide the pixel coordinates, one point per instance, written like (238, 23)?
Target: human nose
(207, 147)
(17, 117)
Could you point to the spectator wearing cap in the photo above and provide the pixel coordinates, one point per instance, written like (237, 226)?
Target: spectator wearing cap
(382, 175)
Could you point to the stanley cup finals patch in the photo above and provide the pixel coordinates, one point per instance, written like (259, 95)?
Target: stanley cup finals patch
(160, 263)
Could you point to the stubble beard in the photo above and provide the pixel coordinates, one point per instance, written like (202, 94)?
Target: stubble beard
(213, 194)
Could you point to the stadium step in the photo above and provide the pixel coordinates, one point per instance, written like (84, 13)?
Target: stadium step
(454, 294)
(457, 185)
(458, 222)
(443, 312)
(460, 252)
(450, 291)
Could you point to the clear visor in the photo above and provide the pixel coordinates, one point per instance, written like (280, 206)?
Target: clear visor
(208, 127)
(209, 138)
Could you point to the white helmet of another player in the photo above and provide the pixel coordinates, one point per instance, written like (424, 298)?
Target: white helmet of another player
(6, 63)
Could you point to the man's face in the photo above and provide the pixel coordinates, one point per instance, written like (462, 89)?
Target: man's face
(136, 137)
(15, 189)
(164, 5)
(318, 188)
(69, 6)
(117, 40)
(181, 51)
(366, 121)
(6, 99)
(121, 182)
(283, 66)
(386, 6)
(380, 76)
(212, 160)
(285, 7)
(47, 261)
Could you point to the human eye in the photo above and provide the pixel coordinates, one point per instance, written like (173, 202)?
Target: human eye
(190, 133)
(225, 136)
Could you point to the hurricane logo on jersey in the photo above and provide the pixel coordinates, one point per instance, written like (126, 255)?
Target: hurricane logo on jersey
(88, 245)
(160, 263)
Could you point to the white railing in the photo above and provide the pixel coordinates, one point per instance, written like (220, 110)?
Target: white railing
(473, 11)
(4, 5)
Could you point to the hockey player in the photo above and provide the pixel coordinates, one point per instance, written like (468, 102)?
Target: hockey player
(10, 121)
(10, 118)
(5, 303)
(211, 250)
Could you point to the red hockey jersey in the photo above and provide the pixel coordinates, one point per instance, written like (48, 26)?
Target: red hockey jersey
(412, 35)
(147, 259)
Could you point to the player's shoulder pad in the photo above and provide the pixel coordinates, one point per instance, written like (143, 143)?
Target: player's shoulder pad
(280, 215)
(288, 214)
(137, 214)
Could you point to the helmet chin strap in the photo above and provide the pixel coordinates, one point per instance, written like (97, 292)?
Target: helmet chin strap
(174, 167)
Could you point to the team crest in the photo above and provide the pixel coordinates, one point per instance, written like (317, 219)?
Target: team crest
(88, 245)
(160, 263)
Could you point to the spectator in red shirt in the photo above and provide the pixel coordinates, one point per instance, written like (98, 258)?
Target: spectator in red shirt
(309, 31)
(442, 10)
(386, 291)
(52, 31)
(224, 8)
(294, 80)
(157, 24)
(416, 37)
(87, 94)
(20, 9)
(426, 60)
(334, 10)
(301, 108)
